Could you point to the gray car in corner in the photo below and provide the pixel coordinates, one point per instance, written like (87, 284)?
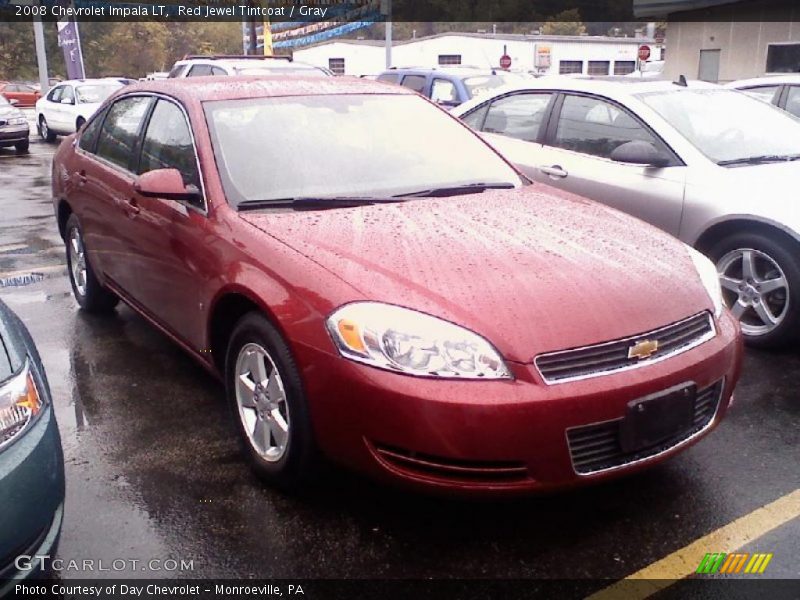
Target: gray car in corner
(716, 168)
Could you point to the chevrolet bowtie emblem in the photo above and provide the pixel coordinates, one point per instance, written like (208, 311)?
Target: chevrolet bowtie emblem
(643, 349)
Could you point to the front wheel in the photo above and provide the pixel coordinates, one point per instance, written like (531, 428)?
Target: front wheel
(22, 147)
(760, 279)
(91, 296)
(268, 404)
(44, 130)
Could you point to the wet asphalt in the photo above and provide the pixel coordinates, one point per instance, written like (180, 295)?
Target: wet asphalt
(153, 470)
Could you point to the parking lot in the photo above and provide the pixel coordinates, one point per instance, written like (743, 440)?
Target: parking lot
(153, 468)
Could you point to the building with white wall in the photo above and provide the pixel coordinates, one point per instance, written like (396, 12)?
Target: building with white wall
(542, 54)
(722, 40)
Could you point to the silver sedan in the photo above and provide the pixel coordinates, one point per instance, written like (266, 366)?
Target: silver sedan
(714, 167)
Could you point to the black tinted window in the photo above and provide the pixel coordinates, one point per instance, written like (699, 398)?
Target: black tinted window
(120, 130)
(55, 94)
(415, 82)
(517, 116)
(592, 126)
(199, 71)
(91, 131)
(177, 71)
(168, 144)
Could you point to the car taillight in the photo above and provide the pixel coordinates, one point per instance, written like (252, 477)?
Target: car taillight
(19, 404)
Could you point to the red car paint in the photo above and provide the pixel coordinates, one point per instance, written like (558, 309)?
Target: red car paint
(540, 271)
(25, 95)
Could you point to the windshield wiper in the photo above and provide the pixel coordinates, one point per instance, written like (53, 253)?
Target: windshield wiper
(315, 202)
(759, 160)
(457, 190)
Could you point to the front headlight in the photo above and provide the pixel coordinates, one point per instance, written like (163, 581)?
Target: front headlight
(709, 276)
(404, 340)
(19, 404)
(17, 121)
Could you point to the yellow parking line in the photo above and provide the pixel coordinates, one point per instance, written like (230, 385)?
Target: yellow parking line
(682, 563)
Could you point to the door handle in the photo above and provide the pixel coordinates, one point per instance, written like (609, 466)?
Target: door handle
(556, 172)
(132, 207)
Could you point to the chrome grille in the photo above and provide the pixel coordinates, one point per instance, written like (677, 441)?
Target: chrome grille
(591, 361)
(597, 447)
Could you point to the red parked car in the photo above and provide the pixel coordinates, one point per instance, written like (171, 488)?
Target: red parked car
(25, 95)
(374, 283)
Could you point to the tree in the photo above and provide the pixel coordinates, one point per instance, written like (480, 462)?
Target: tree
(567, 22)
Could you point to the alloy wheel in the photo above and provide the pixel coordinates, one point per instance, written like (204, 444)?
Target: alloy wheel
(77, 260)
(43, 128)
(755, 288)
(261, 400)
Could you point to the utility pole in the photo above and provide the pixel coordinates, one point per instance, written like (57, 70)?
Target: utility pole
(386, 9)
(41, 55)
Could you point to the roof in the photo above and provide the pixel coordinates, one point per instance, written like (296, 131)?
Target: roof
(608, 85)
(204, 89)
(767, 80)
(509, 37)
(102, 80)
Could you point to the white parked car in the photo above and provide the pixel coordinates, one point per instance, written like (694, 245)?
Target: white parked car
(69, 105)
(781, 90)
(712, 166)
(222, 66)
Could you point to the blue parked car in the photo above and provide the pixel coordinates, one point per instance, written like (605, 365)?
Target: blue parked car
(31, 460)
(449, 86)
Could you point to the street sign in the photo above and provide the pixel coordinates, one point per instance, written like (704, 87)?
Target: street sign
(644, 52)
(505, 61)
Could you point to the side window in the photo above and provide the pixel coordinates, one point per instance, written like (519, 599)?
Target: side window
(199, 71)
(388, 77)
(69, 94)
(793, 100)
(55, 94)
(444, 92)
(177, 71)
(593, 126)
(12, 88)
(518, 116)
(475, 119)
(217, 72)
(415, 82)
(168, 144)
(120, 130)
(766, 93)
(90, 133)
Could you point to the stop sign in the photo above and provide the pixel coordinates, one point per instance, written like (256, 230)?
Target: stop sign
(505, 61)
(644, 52)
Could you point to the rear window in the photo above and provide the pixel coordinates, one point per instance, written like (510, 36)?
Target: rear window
(177, 71)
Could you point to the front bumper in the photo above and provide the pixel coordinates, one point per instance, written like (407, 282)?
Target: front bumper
(32, 497)
(10, 135)
(496, 436)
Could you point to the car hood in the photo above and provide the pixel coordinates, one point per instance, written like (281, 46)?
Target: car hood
(7, 112)
(532, 270)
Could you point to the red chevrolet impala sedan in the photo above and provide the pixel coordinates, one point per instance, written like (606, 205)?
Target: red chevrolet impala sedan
(376, 285)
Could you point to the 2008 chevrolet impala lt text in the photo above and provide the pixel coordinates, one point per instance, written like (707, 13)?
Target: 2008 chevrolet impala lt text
(439, 323)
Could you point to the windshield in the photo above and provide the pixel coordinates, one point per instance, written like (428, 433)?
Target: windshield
(728, 126)
(479, 85)
(345, 145)
(96, 93)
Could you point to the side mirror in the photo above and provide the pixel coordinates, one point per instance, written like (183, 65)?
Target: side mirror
(167, 184)
(639, 153)
(13, 102)
(67, 101)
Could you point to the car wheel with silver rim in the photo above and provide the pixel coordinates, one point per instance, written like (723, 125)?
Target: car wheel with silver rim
(44, 130)
(268, 403)
(91, 296)
(759, 276)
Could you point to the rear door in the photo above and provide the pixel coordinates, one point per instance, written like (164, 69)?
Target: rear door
(105, 179)
(581, 135)
(514, 124)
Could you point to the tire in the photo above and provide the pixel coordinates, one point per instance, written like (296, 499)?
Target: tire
(90, 295)
(44, 130)
(22, 147)
(766, 296)
(289, 465)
